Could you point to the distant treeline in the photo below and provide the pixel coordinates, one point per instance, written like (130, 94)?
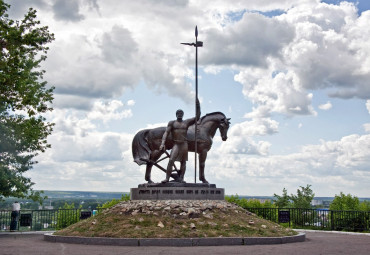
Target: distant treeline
(57, 203)
(83, 194)
(57, 199)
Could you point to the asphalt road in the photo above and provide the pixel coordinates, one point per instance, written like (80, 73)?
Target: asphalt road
(316, 243)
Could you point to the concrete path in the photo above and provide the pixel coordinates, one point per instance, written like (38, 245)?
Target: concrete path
(316, 243)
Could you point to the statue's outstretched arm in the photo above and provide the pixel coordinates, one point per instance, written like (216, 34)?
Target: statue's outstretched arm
(191, 121)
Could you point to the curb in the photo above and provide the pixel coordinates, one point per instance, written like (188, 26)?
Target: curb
(333, 232)
(26, 232)
(216, 241)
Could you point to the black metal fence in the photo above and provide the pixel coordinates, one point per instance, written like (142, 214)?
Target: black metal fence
(37, 220)
(357, 221)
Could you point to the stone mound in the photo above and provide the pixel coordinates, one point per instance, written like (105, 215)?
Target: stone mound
(175, 219)
(175, 208)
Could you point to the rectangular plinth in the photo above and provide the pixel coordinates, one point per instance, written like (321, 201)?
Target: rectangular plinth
(177, 193)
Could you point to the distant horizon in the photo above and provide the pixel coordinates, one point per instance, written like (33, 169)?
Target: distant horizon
(123, 192)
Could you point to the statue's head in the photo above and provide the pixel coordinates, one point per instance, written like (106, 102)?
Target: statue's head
(179, 114)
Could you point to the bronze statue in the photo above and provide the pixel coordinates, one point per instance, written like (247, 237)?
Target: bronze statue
(146, 144)
(178, 128)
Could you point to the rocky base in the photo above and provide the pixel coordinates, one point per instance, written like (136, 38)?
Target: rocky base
(175, 208)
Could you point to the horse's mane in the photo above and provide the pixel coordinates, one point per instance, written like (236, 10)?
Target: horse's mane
(210, 115)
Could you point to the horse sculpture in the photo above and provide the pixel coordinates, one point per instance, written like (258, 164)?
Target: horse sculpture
(146, 143)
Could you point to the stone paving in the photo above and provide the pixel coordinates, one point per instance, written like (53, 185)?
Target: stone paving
(316, 243)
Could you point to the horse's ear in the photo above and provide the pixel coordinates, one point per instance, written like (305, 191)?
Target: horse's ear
(228, 119)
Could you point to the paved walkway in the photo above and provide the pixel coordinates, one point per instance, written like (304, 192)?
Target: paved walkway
(316, 243)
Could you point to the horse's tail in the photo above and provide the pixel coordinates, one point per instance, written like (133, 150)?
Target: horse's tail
(140, 147)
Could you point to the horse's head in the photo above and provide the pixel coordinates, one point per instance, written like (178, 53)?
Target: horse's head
(224, 127)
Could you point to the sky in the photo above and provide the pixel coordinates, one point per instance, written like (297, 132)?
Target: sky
(293, 76)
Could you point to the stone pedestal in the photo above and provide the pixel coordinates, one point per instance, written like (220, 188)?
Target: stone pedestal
(177, 191)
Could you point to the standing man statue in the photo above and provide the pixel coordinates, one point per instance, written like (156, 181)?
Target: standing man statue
(179, 128)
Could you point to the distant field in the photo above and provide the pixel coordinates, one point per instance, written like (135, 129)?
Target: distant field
(83, 194)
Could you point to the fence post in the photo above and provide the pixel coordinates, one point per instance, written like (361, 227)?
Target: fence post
(331, 220)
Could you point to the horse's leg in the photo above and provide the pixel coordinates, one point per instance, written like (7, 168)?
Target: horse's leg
(202, 163)
(148, 172)
(182, 171)
(154, 157)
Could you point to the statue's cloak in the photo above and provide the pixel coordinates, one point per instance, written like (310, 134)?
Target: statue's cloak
(140, 147)
(146, 141)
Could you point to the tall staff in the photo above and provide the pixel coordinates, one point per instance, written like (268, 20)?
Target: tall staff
(196, 45)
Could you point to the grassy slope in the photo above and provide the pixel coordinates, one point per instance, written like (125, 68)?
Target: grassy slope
(213, 223)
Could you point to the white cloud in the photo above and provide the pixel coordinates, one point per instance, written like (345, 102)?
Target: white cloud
(333, 165)
(281, 93)
(328, 51)
(65, 101)
(257, 126)
(244, 145)
(84, 157)
(212, 69)
(81, 71)
(94, 146)
(240, 137)
(314, 45)
(130, 102)
(105, 55)
(67, 10)
(70, 122)
(367, 127)
(322, 47)
(155, 125)
(243, 43)
(112, 110)
(326, 106)
(79, 122)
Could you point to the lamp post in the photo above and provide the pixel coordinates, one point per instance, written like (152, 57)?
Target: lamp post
(196, 45)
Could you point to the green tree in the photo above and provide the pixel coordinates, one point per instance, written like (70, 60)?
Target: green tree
(24, 97)
(109, 204)
(365, 206)
(282, 201)
(303, 198)
(248, 203)
(344, 202)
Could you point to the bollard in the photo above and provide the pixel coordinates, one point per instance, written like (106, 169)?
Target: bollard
(15, 216)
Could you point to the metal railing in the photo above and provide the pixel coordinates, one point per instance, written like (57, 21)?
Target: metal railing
(357, 221)
(42, 220)
(37, 220)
